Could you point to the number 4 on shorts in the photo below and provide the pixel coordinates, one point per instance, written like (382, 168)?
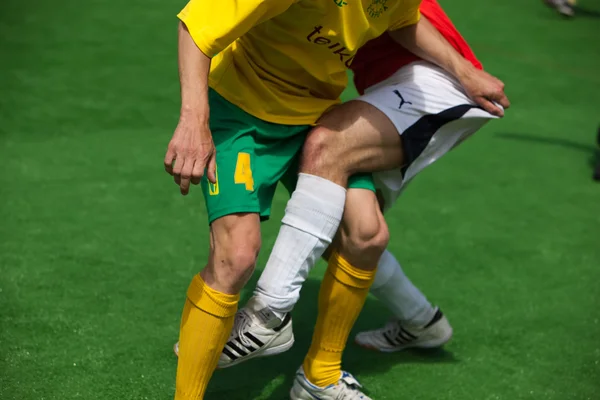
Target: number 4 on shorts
(243, 172)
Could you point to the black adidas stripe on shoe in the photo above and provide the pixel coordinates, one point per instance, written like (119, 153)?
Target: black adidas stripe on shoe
(236, 348)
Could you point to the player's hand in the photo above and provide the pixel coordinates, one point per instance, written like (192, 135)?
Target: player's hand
(485, 90)
(190, 152)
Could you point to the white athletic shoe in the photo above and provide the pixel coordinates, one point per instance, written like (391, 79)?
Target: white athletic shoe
(395, 336)
(347, 388)
(564, 7)
(256, 332)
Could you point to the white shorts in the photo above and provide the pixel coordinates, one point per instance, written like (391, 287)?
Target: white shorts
(431, 112)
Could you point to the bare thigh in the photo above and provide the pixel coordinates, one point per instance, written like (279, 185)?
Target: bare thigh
(352, 138)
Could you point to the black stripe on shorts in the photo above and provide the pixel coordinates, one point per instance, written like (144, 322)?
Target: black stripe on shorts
(416, 138)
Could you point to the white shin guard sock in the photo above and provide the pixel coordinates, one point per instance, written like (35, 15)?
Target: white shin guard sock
(311, 221)
(393, 288)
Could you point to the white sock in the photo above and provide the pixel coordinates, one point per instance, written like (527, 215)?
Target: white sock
(312, 218)
(398, 293)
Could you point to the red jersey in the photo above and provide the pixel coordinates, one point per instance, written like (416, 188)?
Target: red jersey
(382, 57)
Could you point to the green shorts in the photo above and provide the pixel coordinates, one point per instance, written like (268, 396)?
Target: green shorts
(252, 157)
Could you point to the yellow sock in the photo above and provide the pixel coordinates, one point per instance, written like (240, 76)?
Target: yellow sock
(205, 326)
(342, 295)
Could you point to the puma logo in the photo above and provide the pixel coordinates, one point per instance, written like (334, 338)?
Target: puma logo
(402, 101)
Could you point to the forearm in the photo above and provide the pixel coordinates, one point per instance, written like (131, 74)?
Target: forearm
(423, 40)
(194, 67)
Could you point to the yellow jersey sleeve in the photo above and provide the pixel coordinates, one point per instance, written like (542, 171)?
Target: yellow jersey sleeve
(406, 15)
(215, 24)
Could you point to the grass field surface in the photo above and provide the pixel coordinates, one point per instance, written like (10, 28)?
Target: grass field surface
(97, 247)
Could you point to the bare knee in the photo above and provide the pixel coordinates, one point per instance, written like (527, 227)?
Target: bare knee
(321, 155)
(235, 246)
(363, 244)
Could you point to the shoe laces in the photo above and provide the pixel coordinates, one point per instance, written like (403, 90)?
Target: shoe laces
(241, 322)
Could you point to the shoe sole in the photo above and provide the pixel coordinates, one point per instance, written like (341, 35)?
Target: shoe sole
(272, 351)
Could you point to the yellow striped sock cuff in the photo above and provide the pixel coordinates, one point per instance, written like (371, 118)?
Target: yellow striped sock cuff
(212, 301)
(349, 275)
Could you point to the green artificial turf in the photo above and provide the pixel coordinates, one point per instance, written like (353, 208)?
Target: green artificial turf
(97, 246)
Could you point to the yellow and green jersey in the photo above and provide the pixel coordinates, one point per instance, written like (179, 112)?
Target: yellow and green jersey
(285, 61)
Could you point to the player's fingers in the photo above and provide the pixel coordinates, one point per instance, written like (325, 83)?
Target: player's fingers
(212, 168)
(179, 163)
(490, 107)
(503, 101)
(169, 159)
(197, 172)
(186, 176)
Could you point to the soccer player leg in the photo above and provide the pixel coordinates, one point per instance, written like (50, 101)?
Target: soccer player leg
(213, 295)
(311, 221)
(415, 321)
(362, 239)
(351, 137)
(276, 148)
(433, 115)
(236, 203)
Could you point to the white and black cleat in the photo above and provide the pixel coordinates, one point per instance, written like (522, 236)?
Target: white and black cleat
(346, 388)
(396, 336)
(564, 7)
(257, 332)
